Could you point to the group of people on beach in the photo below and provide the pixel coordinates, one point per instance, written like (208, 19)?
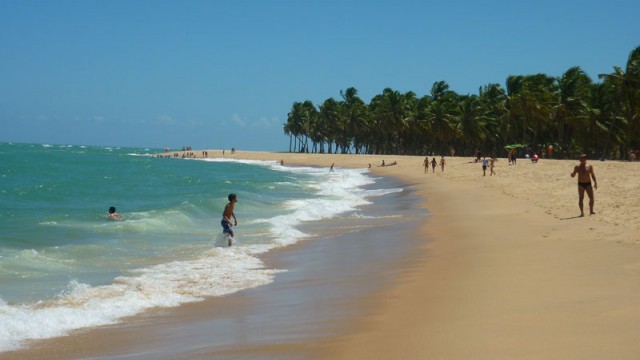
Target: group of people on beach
(433, 163)
(583, 170)
(490, 163)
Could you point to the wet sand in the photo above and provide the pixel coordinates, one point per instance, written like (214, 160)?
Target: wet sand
(504, 268)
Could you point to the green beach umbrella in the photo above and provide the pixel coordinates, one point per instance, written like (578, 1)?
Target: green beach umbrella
(515, 146)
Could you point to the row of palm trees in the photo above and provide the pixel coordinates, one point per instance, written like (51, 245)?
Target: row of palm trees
(572, 113)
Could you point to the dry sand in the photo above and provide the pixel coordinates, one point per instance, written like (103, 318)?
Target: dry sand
(509, 270)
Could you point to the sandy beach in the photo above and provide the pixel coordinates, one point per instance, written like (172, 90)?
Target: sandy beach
(512, 271)
(504, 269)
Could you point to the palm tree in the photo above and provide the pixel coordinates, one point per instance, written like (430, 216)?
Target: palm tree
(573, 110)
(469, 123)
(355, 111)
(441, 121)
(331, 113)
(294, 124)
(493, 100)
(439, 90)
(570, 111)
(627, 85)
(531, 99)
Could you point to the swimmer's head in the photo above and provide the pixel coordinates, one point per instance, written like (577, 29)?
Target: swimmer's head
(232, 197)
(112, 210)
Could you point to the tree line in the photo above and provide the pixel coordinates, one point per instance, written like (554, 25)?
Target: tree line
(571, 113)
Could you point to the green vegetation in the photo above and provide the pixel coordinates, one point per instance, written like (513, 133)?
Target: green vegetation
(571, 113)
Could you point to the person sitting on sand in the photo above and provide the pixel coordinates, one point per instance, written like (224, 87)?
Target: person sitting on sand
(382, 164)
(113, 215)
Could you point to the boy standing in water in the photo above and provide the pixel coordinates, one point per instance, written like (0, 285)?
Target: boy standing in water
(226, 217)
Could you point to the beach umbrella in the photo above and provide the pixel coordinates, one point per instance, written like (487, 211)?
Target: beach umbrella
(515, 146)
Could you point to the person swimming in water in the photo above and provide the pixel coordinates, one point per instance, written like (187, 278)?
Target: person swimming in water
(113, 215)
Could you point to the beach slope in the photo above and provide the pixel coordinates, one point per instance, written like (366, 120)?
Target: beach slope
(510, 269)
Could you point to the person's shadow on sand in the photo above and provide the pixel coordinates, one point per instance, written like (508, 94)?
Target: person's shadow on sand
(571, 218)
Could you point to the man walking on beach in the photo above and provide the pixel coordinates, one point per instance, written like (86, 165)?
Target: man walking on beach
(226, 217)
(585, 174)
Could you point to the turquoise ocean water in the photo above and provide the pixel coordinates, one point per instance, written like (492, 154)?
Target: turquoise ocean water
(64, 266)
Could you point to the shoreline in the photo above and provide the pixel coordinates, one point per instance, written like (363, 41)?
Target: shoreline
(512, 271)
(311, 299)
(508, 270)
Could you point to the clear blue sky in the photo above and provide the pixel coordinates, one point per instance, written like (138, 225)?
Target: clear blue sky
(222, 74)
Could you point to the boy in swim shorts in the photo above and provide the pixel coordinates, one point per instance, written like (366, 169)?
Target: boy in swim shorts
(226, 216)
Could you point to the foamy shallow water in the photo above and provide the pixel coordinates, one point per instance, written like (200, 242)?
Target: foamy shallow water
(75, 270)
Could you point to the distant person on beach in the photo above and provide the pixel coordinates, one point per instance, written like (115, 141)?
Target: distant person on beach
(442, 163)
(491, 165)
(331, 168)
(426, 164)
(484, 166)
(227, 214)
(434, 163)
(585, 174)
(113, 215)
(382, 163)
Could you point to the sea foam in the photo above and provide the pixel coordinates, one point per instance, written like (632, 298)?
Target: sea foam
(215, 271)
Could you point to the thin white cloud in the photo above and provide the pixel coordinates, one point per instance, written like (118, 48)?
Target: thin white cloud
(261, 123)
(265, 123)
(165, 119)
(237, 120)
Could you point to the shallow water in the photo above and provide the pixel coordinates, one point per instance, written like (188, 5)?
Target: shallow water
(63, 266)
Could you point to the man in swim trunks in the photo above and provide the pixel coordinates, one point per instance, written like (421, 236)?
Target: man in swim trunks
(226, 217)
(585, 174)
